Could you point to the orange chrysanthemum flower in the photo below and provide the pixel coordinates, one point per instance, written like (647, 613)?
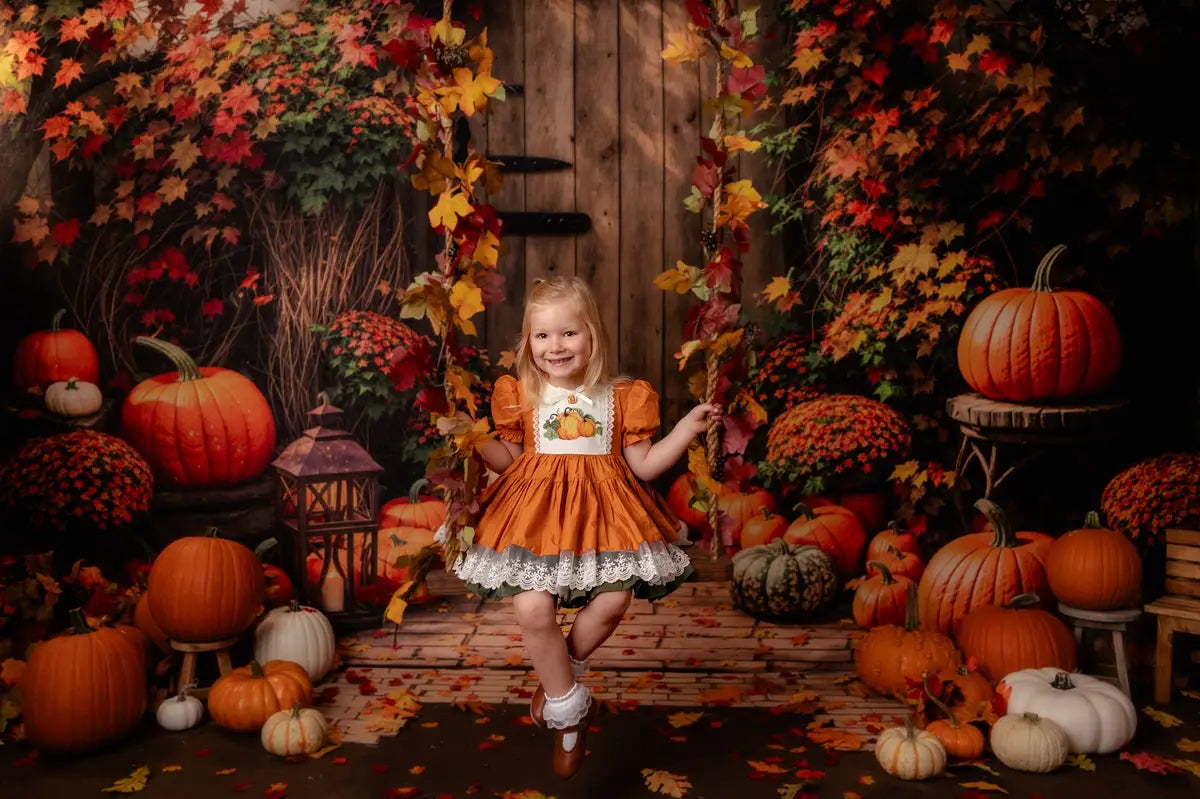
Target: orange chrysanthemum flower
(1145, 499)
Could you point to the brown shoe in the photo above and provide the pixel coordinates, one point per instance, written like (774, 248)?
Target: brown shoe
(536, 704)
(566, 764)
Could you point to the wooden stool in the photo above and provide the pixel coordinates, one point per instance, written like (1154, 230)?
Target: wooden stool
(1115, 621)
(187, 668)
(1004, 437)
(1176, 614)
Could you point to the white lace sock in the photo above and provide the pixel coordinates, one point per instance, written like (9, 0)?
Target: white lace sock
(568, 710)
(578, 668)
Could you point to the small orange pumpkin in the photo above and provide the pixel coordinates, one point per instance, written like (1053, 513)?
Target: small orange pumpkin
(881, 598)
(415, 510)
(762, 529)
(892, 538)
(835, 530)
(48, 356)
(1016, 636)
(963, 741)
(900, 562)
(246, 697)
(1094, 568)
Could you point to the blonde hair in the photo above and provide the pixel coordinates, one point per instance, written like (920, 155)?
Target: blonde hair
(556, 290)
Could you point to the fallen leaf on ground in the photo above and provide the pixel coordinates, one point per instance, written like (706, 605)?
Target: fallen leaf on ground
(136, 781)
(276, 790)
(1188, 745)
(1191, 694)
(665, 782)
(982, 786)
(835, 738)
(725, 695)
(527, 794)
(226, 771)
(1144, 761)
(1163, 719)
(678, 720)
(982, 766)
(1187, 765)
(1082, 762)
(407, 792)
(766, 768)
(866, 779)
(416, 770)
(168, 769)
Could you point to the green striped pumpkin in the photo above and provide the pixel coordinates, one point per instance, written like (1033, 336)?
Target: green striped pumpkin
(779, 580)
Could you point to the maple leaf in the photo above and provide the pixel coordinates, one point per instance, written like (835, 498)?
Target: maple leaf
(1145, 761)
(467, 300)
(665, 782)
(683, 719)
(136, 781)
(767, 768)
(1183, 744)
(65, 232)
(30, 229)
(806, 59)
(69, 70)
(681, 279)
(11, 670)
(451, 206)
(1165, 720)
(683, 47)
(983, 786)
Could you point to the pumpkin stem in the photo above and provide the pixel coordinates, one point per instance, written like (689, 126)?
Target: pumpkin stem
(294, 606)
(804, 510)
(212, 531)
(884, 571)
(72, 384)
(414, 491)
(1092, 520)
(939, 704)
(1062, 681)
(322, 398)
(909, 731)
(296, 710)
(1032, 717)
(1041, 278)
(79, 623)
(912, 619)
(265, 546)
(56, 320)
(1023, 601)
(187, 368)
(894, 527)
(256, 669)
(1004, 535)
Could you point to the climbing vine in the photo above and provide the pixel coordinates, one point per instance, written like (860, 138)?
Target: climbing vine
(725, 204)
(452, 77)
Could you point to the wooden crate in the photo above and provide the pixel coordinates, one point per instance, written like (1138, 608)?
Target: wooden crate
(1183, 562)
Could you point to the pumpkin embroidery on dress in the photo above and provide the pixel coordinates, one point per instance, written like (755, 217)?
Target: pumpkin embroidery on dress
(571, 424)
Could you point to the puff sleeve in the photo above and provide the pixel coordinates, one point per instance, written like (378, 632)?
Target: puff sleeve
(507, 409)
(640, 413)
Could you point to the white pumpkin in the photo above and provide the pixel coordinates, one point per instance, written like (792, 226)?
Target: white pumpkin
(299, 731)
(1096, 715)
(1027, 742)
(73, 397)
(910, 754)
(298, 633)
(180, 712)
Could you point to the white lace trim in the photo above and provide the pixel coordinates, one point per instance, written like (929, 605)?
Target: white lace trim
(569, 709)
(655, 563)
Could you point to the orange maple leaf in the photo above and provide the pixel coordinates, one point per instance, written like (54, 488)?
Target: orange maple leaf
(69, 70)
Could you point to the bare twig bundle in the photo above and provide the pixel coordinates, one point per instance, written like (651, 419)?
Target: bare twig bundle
(318, 267)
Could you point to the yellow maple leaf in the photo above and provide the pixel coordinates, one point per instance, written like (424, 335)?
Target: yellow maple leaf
(736, 57)
(755, 411)
(1161, 718)
(905, 471)
(508, 359)
(958, 61)
(446, 32)
(487, 250)
(806, 59)
(1187, 765)
(397, 605)
(467, 300)
(912, 260)
(226, 772)
(698, 465)
(779, 287)
(665, 782)
(469, 92)
(28, 206)
(1081, 762)
(799, 94)
(682, 719)
(171, 768)
(983, 786)
(450, 207)
(683, 47)
(978, 44)
(722, 695)
(173, 188)
(687, 350)
(735, 144)
(680, 279)
(1187, 745)
(30, 229)
(436, 170)
(136, 781)
(184, 154)
(902, 142)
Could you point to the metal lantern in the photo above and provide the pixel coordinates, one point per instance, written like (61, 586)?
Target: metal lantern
(327, 502)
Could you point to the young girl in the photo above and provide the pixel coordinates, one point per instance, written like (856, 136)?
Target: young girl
(571, 520)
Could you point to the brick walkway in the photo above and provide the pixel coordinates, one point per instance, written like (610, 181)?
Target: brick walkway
(690, 650)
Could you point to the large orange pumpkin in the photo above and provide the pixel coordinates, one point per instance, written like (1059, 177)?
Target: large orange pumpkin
(200, 425)
(1094, 568)
(83, 690)
(143, 619)
(680, 497)
(48, 356)
(1016, 636)
(1039, 344)
(835, 530)
(982, 569)
(890, 655)
(245, 698)
(205, 588)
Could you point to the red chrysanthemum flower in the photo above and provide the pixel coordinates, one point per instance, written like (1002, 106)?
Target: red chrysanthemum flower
(1145, 499)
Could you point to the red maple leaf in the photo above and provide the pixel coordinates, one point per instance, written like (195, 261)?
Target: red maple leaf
(748, 82)
(699, 14)
(65, 232)
(1148, 762)
(212, 308)
(705, 176)
(408, 363)
(993, 62)
(876, 72)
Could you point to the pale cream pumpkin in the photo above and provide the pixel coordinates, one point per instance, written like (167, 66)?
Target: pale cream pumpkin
(1097, 716)
(1028, 742)
(299, 634)
(73, 397)
(181, 712)
(910, 754)
(299, 731)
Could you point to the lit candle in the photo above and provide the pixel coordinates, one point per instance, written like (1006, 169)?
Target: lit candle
(333, 592)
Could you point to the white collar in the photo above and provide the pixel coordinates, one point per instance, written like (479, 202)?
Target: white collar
(552, 395)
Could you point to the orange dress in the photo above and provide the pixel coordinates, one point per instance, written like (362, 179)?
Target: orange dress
(568, 516)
